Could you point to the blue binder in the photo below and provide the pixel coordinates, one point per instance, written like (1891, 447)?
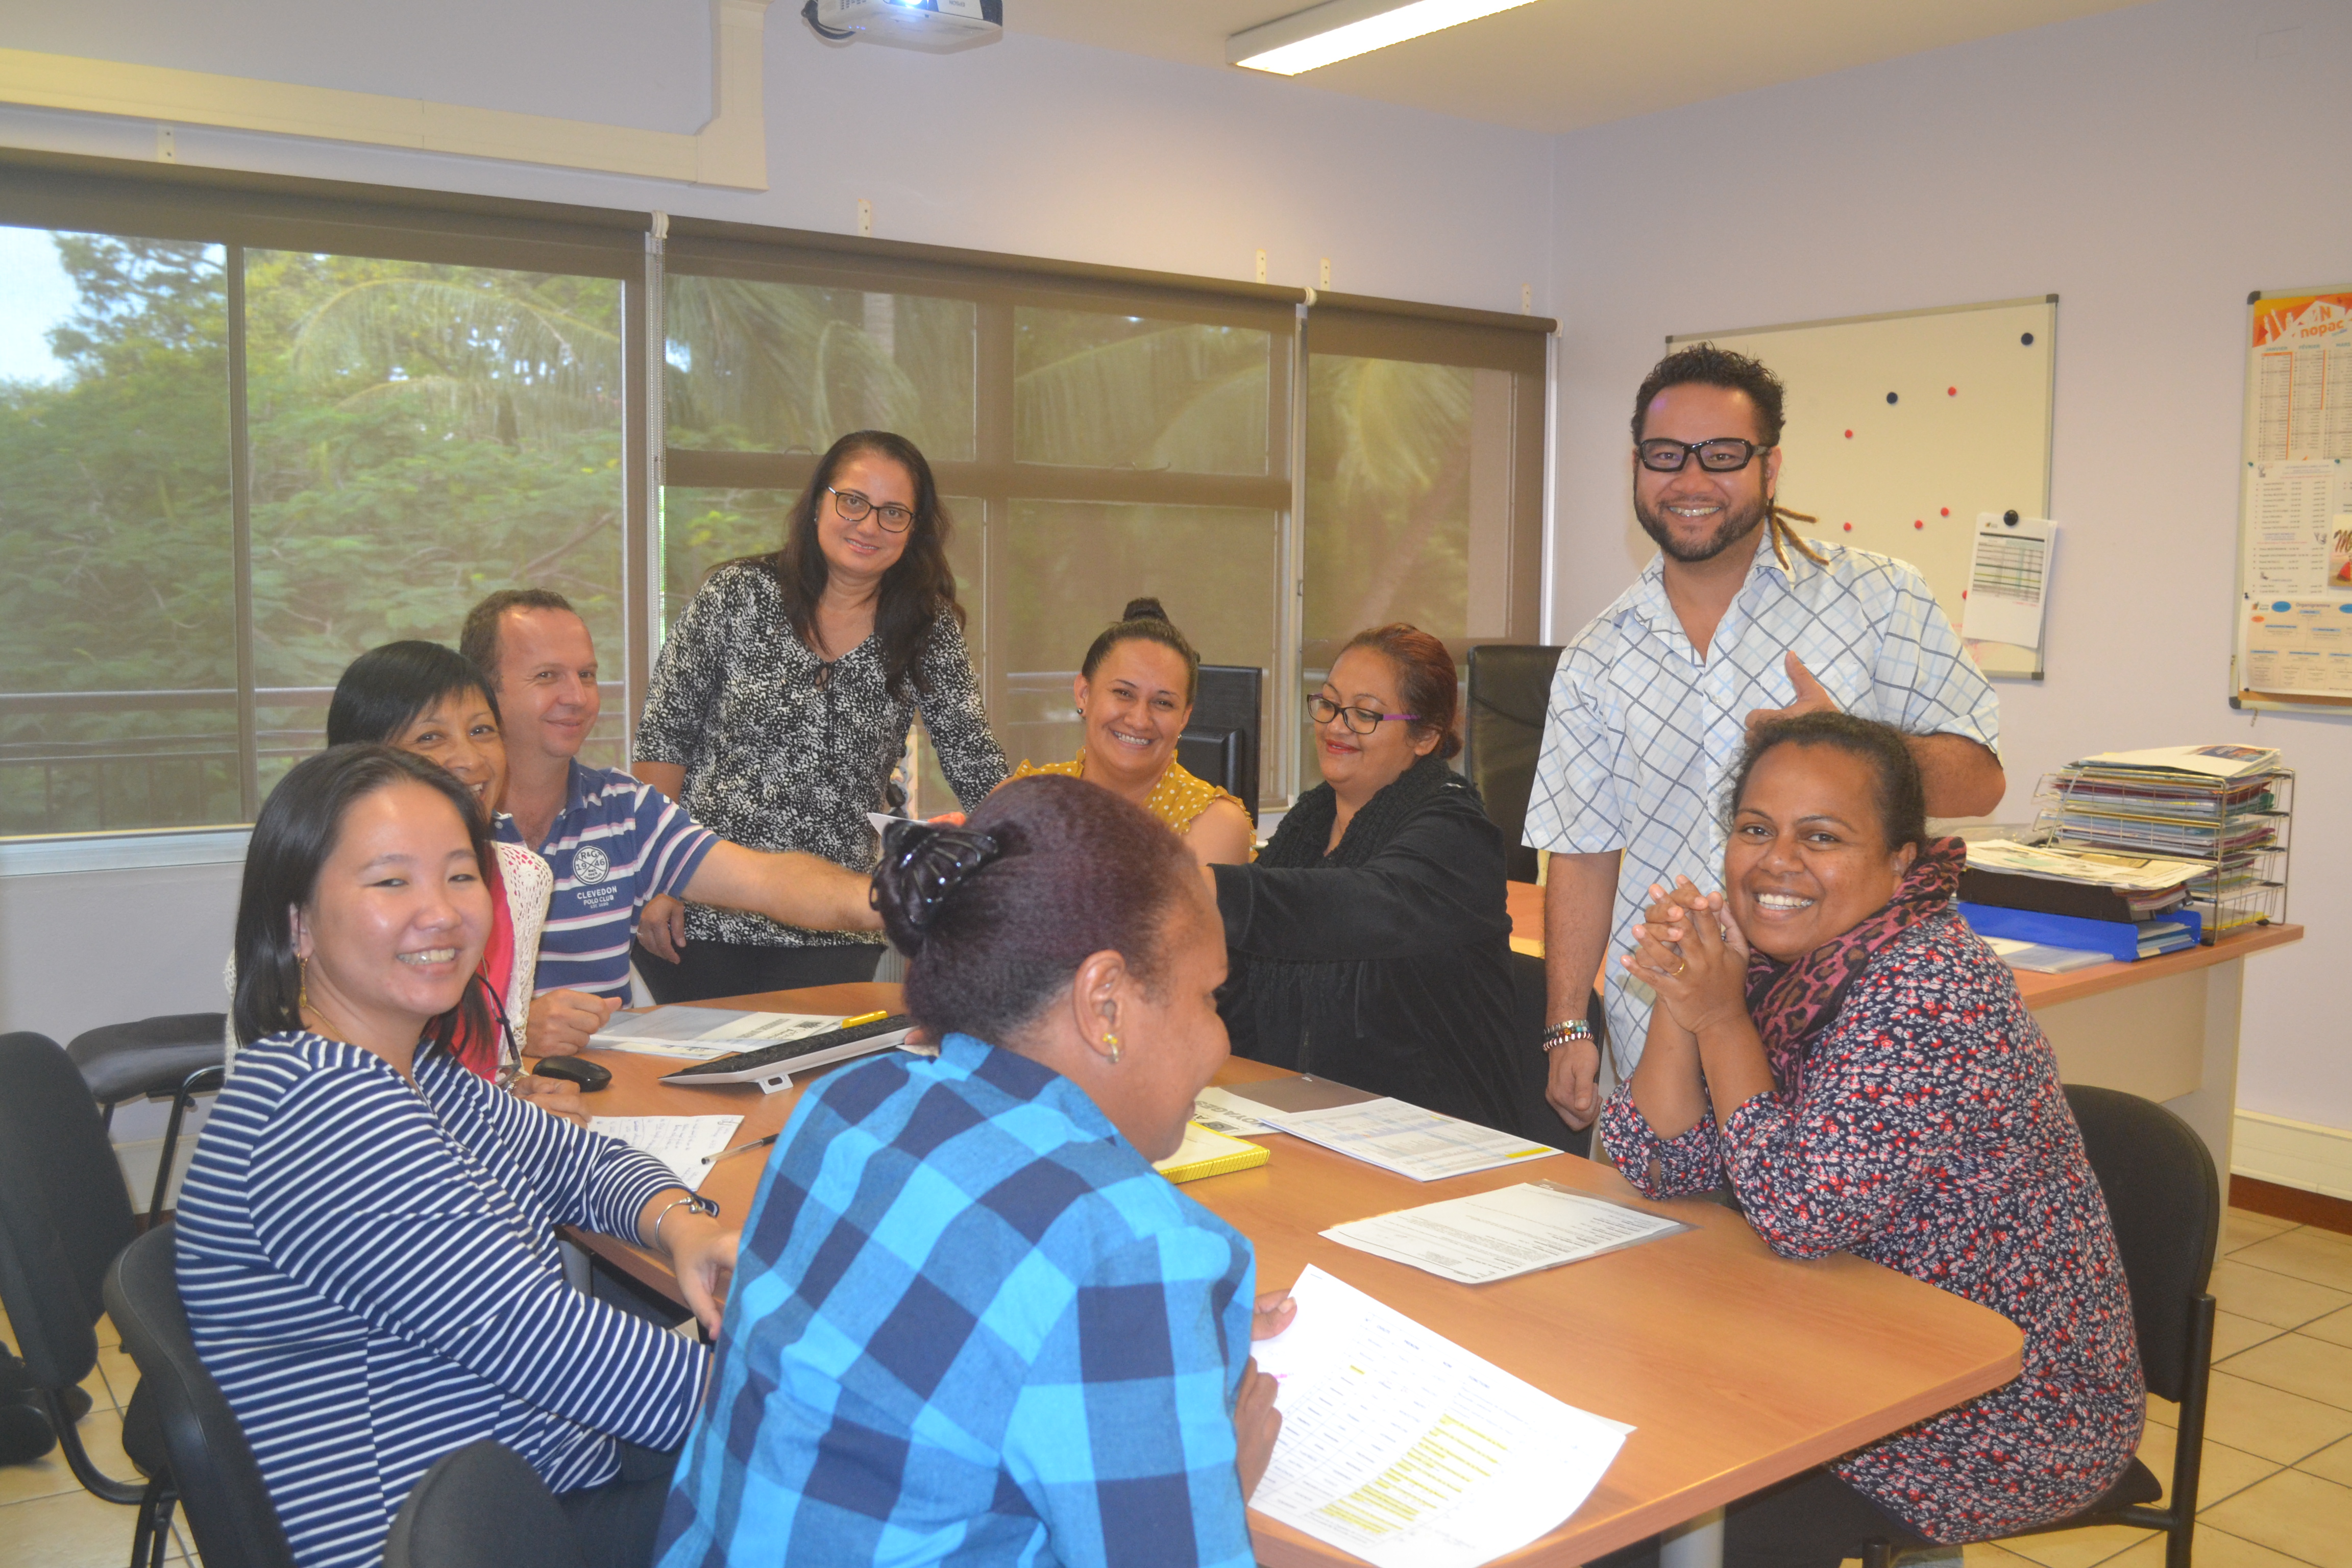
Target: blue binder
(2120, 940)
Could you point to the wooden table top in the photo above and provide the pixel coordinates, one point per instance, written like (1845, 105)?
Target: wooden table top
(1737, 1368)
(1525, 899)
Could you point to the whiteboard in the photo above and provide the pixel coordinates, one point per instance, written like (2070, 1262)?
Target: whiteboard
(2294, 504)
(1900, 428)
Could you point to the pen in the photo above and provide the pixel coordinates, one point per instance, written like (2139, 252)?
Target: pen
(741, 1148)
(864, 1018)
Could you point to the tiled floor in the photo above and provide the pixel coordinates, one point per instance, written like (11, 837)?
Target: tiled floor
(2277, 1484)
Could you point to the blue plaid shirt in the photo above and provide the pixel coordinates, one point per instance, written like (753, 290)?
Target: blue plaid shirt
(970, 1324)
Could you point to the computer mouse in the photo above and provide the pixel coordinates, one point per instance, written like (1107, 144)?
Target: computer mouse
(577, 1069)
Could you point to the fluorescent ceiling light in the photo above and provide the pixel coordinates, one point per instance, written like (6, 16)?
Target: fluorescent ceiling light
(1341, 28)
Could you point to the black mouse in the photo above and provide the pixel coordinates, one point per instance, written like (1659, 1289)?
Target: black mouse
(586, 1074)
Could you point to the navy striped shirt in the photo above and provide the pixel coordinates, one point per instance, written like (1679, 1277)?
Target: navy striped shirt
(370, 1271)
(615, 844)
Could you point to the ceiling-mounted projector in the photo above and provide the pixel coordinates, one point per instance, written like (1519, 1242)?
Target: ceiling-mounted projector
(927, 24)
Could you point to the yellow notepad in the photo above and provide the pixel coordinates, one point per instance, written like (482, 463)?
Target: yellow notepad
(1207, 1153)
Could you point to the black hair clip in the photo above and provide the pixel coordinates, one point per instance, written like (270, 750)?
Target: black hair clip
(923, 863)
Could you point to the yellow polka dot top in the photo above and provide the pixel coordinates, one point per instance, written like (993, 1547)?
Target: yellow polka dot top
(1178, 799)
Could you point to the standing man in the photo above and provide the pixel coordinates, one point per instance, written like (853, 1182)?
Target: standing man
(1654, 698)
(613, 843)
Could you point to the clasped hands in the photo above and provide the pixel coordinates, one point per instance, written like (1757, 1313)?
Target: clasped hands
(1692, 952)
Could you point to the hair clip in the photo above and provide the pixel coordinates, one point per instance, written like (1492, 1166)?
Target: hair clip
(924, 862)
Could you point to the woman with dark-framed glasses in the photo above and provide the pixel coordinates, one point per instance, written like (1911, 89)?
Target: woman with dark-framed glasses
(781, 704)
(1369, 941)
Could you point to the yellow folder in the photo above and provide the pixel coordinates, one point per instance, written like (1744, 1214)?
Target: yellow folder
(1207, 1153)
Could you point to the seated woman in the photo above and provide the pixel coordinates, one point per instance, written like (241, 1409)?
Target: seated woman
(1370, 941)
(367, 1232)
(1834, 1041)
(972, 1323)
(1135, 695)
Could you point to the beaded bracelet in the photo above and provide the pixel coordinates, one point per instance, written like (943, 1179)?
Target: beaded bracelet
(1559, 1034)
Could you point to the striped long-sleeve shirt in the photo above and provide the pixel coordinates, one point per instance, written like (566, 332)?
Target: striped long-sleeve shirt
(370, 1271)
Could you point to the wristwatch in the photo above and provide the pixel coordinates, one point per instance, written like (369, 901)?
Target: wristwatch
(1559, 1034)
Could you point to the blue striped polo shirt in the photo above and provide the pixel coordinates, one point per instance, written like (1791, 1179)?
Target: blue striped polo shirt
(616, 845)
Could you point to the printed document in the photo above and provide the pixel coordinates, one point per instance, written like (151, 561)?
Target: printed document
(1511, 1230)
(2008, 580)
(1406, 1139)
(1404, 1448)
(684, 1143)
(1229, 1114)
(704, 1034)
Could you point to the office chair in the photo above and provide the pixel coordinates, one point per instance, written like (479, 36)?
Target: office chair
(178, 1054)
(213, 1472)
(1220, 744)
(65, 1217)
(1510, 689)
(2165, 1202)
(1537, 1120)
(482, 1507)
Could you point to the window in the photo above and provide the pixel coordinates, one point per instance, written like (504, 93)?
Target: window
(1424, 474)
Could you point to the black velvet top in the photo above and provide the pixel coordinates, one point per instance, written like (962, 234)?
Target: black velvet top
(1389, 970)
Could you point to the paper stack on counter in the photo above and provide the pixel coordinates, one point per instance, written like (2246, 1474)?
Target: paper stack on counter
(1404, 1448)
(681, 1143)
(706, 1034)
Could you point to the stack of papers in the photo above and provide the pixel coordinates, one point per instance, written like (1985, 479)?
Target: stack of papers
(704, 1034)
(684, 1143)
(1404, 1448)
(1207, 1153)
(1406, 1139)
(1511, 1230)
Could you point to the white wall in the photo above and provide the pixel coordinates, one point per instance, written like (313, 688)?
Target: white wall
(2149, 167)
(1026, 145)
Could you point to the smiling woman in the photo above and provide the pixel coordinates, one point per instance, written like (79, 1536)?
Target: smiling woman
(1832, 1041)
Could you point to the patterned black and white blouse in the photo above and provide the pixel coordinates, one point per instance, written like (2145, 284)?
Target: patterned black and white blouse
(783, 751)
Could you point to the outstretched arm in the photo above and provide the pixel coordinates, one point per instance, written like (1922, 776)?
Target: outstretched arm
(785, 885)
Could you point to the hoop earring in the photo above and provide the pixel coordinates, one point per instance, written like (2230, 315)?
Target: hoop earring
(1112, 1041)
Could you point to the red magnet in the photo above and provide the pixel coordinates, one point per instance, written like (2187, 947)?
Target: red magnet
(1919, 522)
(1848, 434)
(1849, 527)
(1953, 391)
(1948, 511)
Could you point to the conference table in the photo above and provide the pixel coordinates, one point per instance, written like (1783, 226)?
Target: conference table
(2164, 1028)
(1736, 1368)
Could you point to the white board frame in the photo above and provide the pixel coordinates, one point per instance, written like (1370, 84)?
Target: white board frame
(1999, 660)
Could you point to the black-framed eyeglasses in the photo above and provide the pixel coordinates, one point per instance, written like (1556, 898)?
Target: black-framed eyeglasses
(853, 507)
(1722, 455)
(1359, 720)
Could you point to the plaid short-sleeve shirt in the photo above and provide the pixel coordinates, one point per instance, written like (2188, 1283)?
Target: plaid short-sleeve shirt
(968, 1324)
(1643, 734)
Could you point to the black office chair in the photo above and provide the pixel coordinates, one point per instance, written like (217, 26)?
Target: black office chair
(482, 1507)
(2165, 1202)
(178, 1054)
(1537, 1120)
(1510, 689)
(1220, 743)
(65, 1217)
(212, 1469)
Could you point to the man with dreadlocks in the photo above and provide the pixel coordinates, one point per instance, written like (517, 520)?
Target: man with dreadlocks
(1655, 697)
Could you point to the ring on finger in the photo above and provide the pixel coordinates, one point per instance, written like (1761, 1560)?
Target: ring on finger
(1680, 967)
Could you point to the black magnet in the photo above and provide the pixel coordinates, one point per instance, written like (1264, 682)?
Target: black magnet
(2027, 339)
(2009, 517)
(1890, 397)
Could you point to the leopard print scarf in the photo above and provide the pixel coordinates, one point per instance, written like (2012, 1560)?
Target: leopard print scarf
(1794, 1002)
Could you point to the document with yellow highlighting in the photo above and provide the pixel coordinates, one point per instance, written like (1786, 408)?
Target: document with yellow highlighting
(1403, 1448)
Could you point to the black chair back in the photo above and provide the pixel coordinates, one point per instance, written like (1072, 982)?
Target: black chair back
(2165, 1202)
(1220, 744)
(213, 1467)
(482, 1507)
(65, 1212)
(1510, 689)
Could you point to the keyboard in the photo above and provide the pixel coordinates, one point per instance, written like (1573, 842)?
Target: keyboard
(773, 1066)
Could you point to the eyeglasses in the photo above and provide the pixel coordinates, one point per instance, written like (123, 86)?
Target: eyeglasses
(1360, 720)
(1723, 455)
(853, 507)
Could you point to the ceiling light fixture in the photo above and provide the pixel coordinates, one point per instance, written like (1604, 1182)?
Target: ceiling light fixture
(1340, 30)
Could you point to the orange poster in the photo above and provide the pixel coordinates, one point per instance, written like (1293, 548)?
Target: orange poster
(2302, 378)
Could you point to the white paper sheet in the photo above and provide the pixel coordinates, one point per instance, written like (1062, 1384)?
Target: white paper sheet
(681, 1143)
(1404, 1448)
(1511, 1230)
(1406, 1139)
(702, 1034)
(2008, 580)
(2136, 873)
(1218, 1111)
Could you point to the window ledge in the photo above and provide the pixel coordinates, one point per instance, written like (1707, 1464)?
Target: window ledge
(60, 854)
